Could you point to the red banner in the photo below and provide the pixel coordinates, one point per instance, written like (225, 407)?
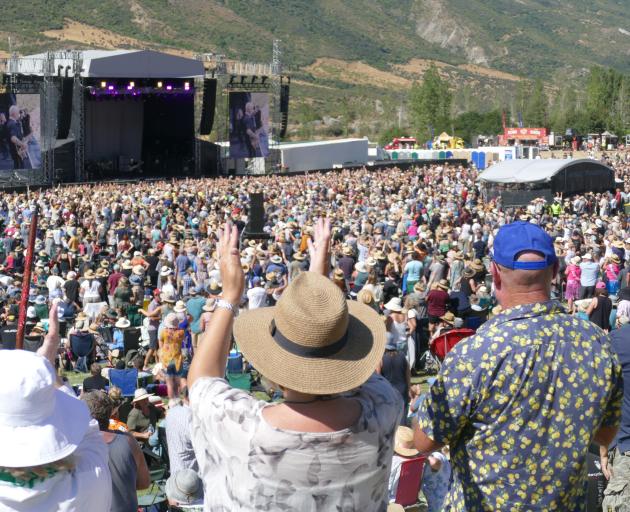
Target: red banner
(525, 133)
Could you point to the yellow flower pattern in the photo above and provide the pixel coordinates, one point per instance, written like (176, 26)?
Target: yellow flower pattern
(519, 403)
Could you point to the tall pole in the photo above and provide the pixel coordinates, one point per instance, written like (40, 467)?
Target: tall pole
(26, 279)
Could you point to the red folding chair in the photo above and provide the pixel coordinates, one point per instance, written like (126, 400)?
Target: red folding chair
(444, 343)
(410, 481)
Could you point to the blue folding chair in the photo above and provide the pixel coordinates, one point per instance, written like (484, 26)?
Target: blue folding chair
(126, 380)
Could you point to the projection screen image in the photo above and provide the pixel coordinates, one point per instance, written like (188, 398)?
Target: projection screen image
(249, 124)
(20, 131)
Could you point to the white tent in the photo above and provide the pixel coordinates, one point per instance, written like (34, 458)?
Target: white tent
(532, 171)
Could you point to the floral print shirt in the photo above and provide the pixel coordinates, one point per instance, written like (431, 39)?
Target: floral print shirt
(519, 403)
(248, 465)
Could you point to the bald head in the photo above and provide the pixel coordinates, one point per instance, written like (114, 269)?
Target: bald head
(515, 287)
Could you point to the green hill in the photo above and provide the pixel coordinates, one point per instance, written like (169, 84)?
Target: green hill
(363, 52)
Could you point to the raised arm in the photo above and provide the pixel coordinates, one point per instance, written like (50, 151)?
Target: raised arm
(211, 357)
(319, 248)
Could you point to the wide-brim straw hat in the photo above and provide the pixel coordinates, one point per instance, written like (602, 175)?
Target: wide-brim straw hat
(477, 265)
(166, 297)
(180, 307)
(402, 440)
(39, 424)
(166, 271)
(448, 317)
(275, 259)
(442, 284)
(89, 274)
(127, 265)
(299, 256)
(338, 352)
(138, 270)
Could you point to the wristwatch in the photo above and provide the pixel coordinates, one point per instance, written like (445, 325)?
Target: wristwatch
(227, 305)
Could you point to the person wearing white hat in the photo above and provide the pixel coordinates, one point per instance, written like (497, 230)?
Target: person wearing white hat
(321, 351)
(52, 456)
(143, 418)
(184, 489)
(588, 277)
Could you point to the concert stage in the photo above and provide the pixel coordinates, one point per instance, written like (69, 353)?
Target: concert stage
(111, 115)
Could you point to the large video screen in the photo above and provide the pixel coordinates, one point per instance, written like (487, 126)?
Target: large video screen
(20, 131)
(249, 124)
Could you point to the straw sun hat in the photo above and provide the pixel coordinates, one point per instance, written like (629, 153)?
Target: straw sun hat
(338, 352)
(403, 442)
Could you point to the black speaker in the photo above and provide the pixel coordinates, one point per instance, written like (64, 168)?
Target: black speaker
(284, 109)
(256, 220)
(64, 110)
(207, 106)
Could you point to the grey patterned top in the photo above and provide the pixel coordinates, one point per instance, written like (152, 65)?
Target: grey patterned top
(246, 464)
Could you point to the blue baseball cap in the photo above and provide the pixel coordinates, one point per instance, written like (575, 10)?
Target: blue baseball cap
(518, 237)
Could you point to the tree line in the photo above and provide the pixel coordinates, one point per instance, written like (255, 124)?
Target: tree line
(599, 102)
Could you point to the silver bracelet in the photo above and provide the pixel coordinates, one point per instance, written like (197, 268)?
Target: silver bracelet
(224, 304)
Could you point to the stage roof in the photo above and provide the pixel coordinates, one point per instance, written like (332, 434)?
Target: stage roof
(114, 64)
(536, 171)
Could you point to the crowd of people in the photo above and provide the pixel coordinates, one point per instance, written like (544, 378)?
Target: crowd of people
(337, 316)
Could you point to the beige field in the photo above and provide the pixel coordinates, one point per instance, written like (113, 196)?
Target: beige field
(357, 73)
(74, 31)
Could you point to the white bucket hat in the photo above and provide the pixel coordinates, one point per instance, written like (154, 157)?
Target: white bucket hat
(39, 424)
(394, 304)
(185, 487)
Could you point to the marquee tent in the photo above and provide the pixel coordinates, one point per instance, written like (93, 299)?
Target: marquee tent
(522, 180)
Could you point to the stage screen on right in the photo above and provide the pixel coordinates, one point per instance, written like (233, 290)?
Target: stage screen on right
(20, 131)
(249, 124)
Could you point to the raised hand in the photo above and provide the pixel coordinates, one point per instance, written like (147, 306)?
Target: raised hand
(319, 247)
(51, 340)
(230, 264)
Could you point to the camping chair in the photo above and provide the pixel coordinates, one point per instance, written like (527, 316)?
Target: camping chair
(444, 343)
(82, 348)
(131, 339)
(32, 343)
(154, 498)
(236, 374)
(126, 380)
(8, 339)
(410, 481)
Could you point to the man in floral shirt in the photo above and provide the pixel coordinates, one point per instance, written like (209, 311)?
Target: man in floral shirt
(520, 402)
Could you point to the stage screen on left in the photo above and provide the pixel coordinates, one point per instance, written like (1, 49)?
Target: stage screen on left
(20, 131)
(249, 124)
